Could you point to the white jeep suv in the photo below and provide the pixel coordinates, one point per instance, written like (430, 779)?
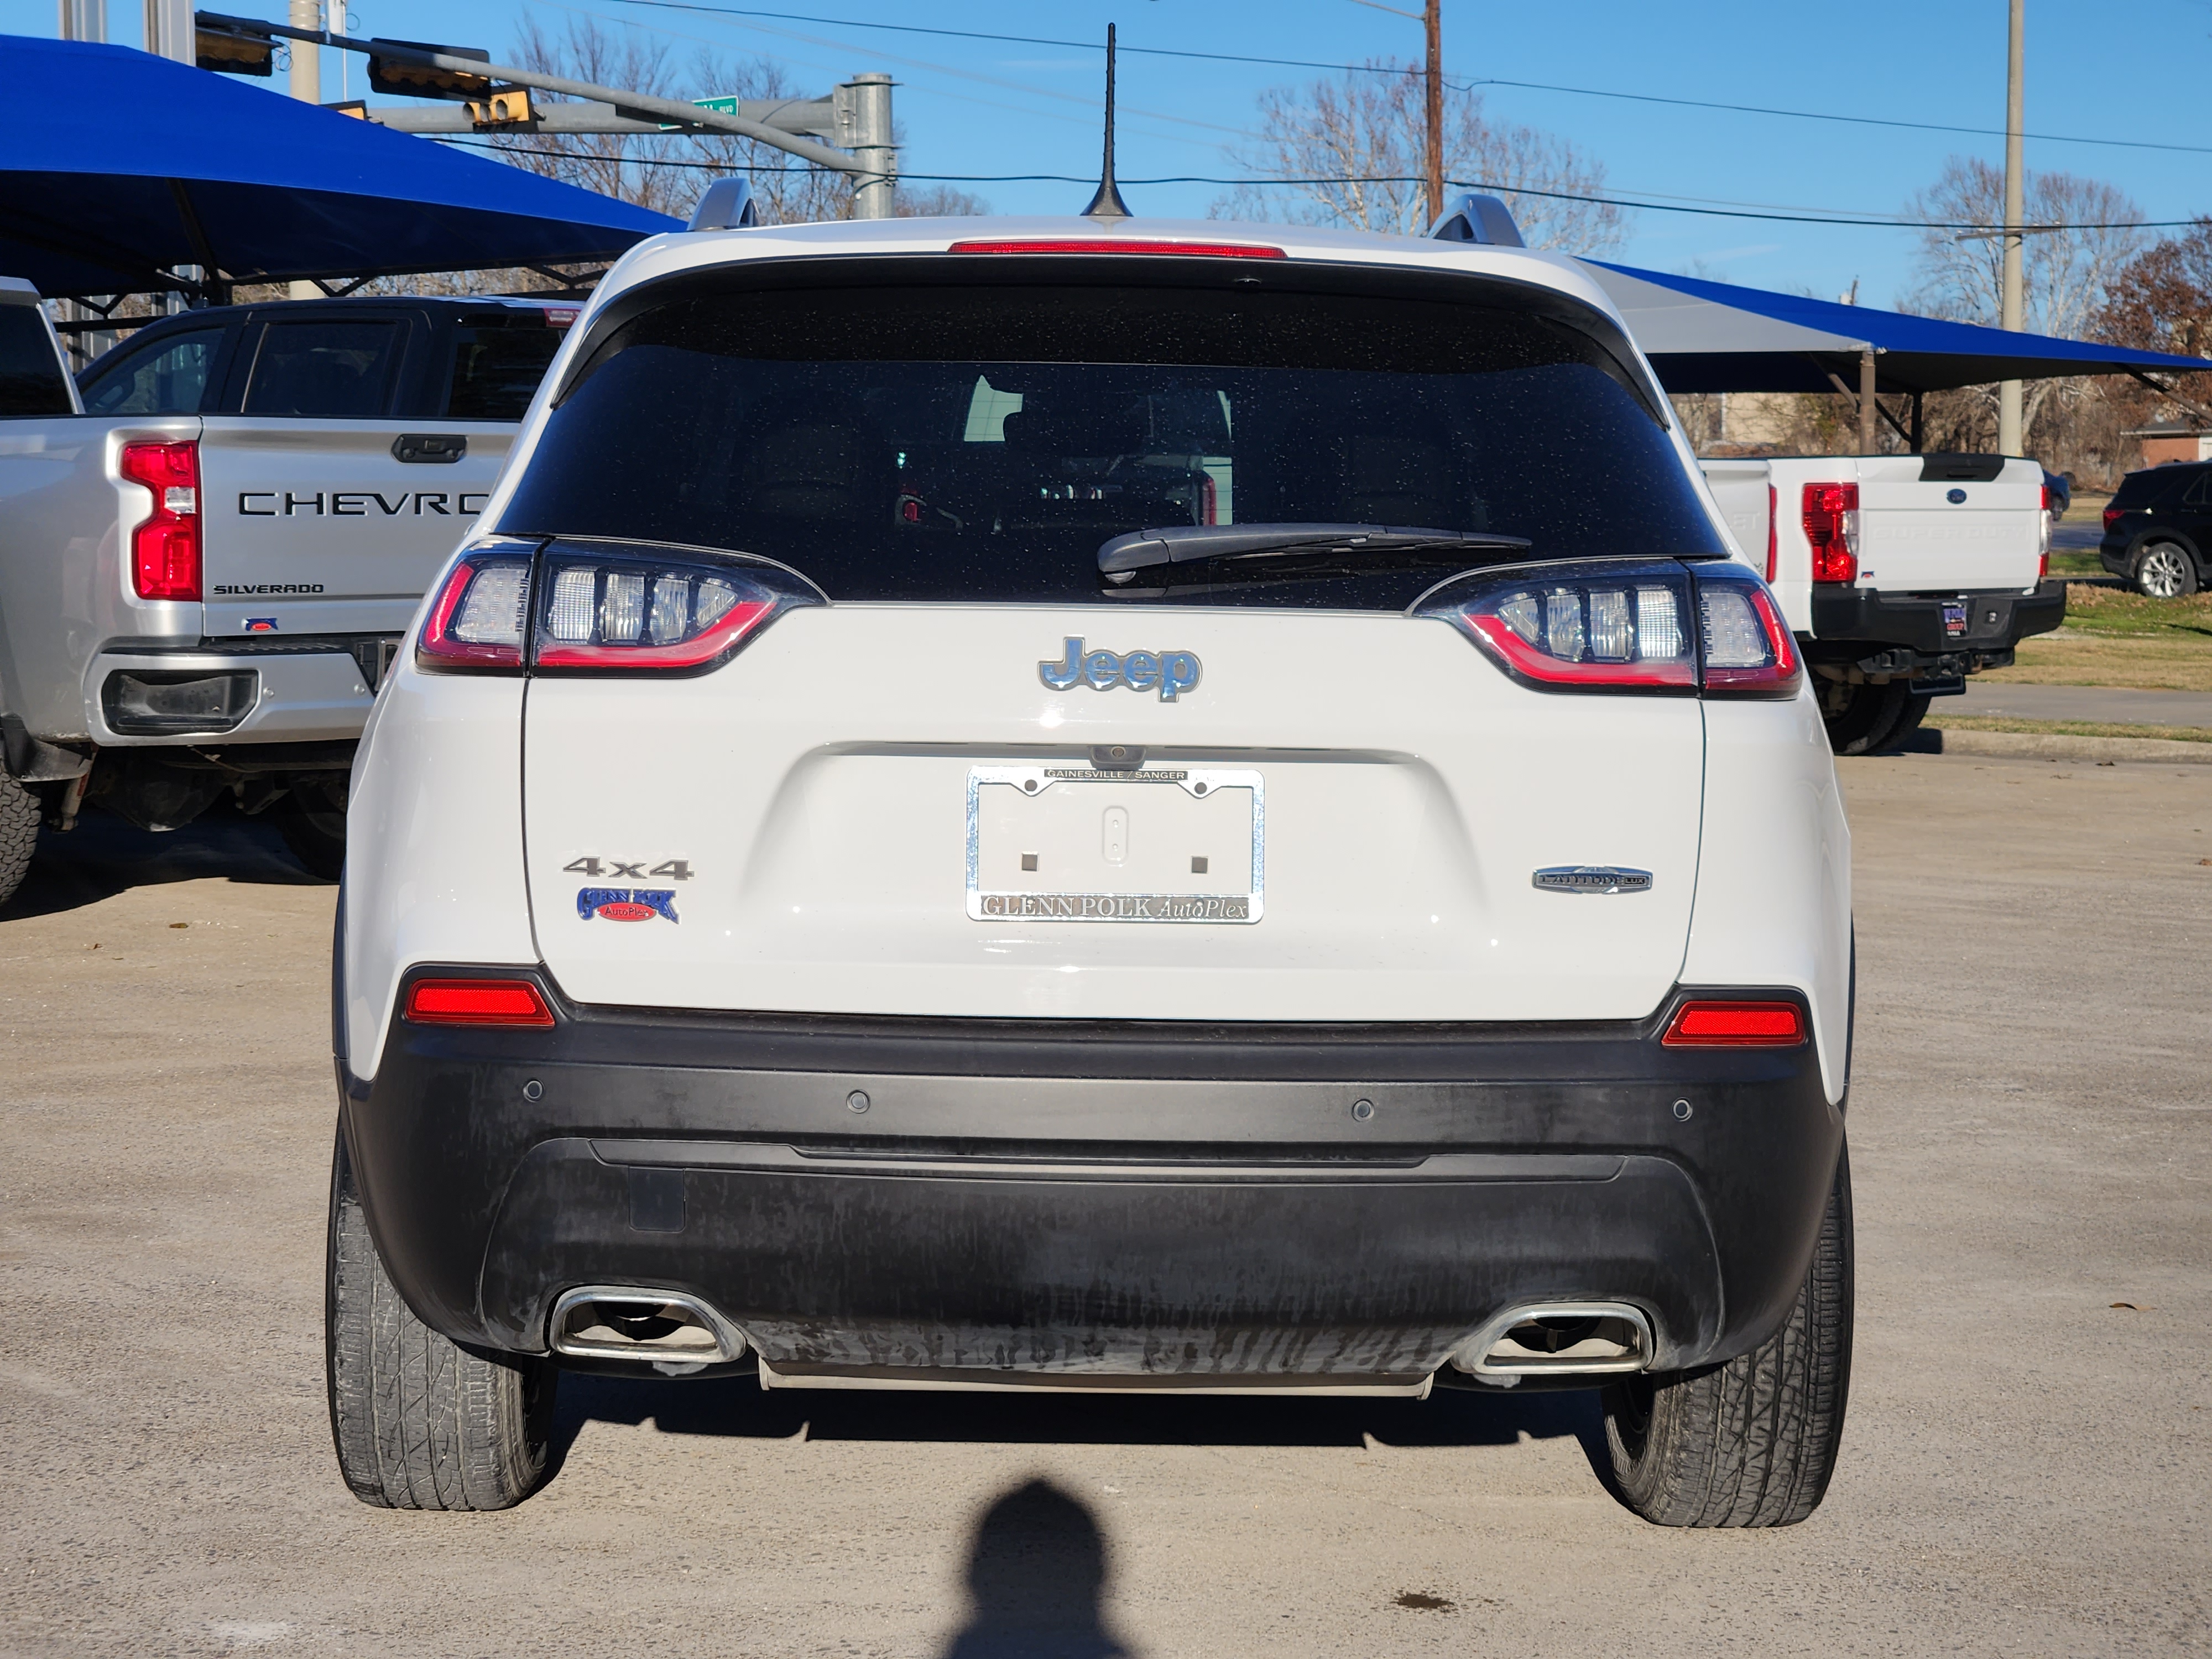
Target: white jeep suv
(1081, 806)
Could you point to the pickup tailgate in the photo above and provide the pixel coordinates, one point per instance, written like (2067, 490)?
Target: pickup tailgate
(1923, 535)
(792, 831)
(319, 527)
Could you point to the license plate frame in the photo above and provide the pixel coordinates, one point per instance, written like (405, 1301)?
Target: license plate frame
(1239, 910)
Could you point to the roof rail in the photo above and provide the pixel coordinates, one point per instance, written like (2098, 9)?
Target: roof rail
(1477, 219)
(728, 204)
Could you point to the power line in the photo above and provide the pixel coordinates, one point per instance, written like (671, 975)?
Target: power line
(1396, 68)
(1370, 178)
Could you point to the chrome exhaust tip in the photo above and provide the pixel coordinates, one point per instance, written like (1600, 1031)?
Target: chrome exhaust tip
(1558, 1338)
(674, 1333)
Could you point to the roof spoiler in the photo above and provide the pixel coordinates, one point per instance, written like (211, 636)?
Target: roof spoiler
(728, 204)
(1482, 219)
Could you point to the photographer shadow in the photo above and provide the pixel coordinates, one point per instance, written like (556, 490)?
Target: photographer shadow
(1036, 1581)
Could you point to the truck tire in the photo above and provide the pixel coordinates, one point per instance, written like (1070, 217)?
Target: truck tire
(419, 1422)
(19, 835)
(1751, 1442)
(313, 826)
(1908, 719)
(1865, 722)
(2164, 570)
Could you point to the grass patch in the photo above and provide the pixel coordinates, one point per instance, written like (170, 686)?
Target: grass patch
(2067, 728)
(2113, 637)
(2116, 612)
(2076, 564)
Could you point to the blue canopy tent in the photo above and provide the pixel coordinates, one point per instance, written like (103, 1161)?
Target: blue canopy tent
(117, 168)
(1714, 336)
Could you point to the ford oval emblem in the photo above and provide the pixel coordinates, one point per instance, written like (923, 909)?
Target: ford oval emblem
(1956, 497)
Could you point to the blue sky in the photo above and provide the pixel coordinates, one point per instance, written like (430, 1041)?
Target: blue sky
(2106, 71)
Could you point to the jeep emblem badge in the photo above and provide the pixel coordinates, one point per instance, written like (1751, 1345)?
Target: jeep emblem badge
(1170, 673)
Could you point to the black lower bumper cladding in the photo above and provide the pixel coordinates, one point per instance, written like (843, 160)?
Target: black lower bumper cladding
(1071, 1198)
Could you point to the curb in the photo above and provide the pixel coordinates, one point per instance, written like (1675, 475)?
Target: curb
(2038, 745)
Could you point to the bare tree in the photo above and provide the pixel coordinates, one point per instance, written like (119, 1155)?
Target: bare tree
(667, 174)
(2066, 273)
(1350, 152)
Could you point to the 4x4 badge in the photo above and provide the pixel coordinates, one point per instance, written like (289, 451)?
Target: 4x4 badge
(1169, 673)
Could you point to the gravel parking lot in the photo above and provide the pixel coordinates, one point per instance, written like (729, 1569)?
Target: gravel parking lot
(2026, 1467)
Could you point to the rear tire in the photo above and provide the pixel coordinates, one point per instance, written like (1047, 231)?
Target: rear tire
(1867, 719)
(312, 819)
(1908, 719)
(2164, 570)
(19, 835)
(1751, 1442)
(419, 1422)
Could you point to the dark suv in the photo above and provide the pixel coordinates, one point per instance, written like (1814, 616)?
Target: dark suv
(2158, 529)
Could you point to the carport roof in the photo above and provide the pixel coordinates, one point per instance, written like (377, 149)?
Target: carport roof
(1714, 336)
(116, 167)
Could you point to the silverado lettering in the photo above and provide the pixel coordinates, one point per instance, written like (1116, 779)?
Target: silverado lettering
(235, 589)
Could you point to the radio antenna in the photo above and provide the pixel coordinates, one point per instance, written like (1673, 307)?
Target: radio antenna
(1108, 202)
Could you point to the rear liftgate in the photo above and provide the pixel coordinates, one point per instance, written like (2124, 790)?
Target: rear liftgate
(740, 798)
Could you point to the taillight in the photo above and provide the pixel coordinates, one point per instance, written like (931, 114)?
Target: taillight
(1654, 629)
(477, 1002)
(1774, 509)
(165, 550)
(2113, 515)
(1125, 245)
(476, 622)
(1831, 513)
(571, 610)
(2043, 537)
(1745, 646)
(606, 612)
(1735, 1025)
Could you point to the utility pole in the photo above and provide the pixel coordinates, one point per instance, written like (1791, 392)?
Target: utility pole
(307, 86)
(2015, 187)
(1432, 19)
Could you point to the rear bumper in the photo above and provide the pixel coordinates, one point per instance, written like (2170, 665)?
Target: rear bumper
(1093, 1199)
(1850, 622)
(301, 696)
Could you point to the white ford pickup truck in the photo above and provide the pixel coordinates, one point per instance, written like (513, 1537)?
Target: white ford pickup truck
(210, 547)
(1900, 574)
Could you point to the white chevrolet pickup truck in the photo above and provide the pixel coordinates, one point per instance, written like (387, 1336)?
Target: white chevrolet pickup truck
(208, 548)
(1900, 574)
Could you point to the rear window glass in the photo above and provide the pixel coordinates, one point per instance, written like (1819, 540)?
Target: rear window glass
(31, 378)
(325, 370)
(980, 443)
(165, 377)
(497, 364)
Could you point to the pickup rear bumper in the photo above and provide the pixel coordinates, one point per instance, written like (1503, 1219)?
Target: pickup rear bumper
(961, 1198)
(309, 693)
(1852, 622)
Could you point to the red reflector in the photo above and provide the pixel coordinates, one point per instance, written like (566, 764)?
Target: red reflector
(1735, 1025)
(1773, 511)
(165, 550)
(1126, 244)
(477, 1002)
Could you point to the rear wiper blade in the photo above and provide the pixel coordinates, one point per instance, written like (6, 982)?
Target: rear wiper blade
(1209, 543)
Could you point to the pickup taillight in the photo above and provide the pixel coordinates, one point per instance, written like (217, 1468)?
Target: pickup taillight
(1829, 512)
(165, 550)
